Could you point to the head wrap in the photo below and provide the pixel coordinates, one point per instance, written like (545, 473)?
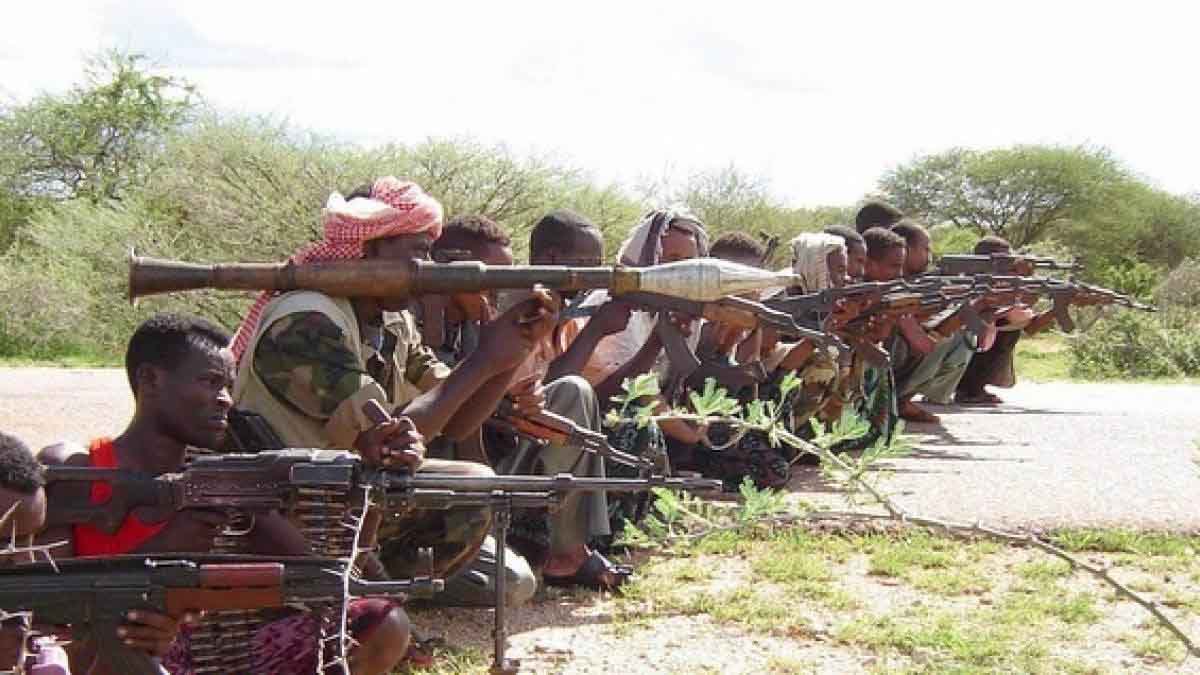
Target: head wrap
(810, 259)
(639, 250)
(396, 207)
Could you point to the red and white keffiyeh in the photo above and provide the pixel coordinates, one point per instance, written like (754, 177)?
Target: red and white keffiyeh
(396, 207)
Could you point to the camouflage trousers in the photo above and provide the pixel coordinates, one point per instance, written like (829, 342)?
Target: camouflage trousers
(454, 535)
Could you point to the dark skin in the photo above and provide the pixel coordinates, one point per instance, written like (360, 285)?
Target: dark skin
(21, 515)
(677, 244)
(463, 401)
(174, 408)
(586, 249)
(917, 255)
(856, 261)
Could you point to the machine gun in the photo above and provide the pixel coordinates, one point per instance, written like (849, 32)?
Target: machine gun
(283, 480)
(93, 595)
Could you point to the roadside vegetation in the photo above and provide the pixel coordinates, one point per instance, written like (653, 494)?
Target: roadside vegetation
(863, 597)
(132, 157)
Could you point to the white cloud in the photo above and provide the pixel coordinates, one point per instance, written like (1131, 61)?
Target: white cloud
(819, 98)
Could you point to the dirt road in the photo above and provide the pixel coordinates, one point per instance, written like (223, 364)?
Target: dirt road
(1054, 454)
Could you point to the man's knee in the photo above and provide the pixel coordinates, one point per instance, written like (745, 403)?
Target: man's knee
(387, 645)
(521, 584)
(573, 397)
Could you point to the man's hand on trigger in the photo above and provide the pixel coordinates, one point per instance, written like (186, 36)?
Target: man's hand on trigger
(392, 443)
(611, 317)
(528, 395)
(506, 342)
(151, 632)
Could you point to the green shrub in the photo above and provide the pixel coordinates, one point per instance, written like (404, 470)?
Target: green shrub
(1181, 287)
(1134, 278)
(1130, 344)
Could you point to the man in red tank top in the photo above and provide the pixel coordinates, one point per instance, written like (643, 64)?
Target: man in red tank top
(180, 370)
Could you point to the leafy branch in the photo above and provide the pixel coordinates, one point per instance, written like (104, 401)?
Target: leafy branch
(713, 405)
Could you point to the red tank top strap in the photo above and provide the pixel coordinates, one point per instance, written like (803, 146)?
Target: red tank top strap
(90, 541)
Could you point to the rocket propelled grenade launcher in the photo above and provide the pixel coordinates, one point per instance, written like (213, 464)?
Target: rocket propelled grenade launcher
(703, 279)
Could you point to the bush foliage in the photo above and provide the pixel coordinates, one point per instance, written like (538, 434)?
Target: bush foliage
(134, 159)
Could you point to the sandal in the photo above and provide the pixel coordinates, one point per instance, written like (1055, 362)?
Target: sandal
(985, 398)
(591, 574)
(912, 412)
(420, 652)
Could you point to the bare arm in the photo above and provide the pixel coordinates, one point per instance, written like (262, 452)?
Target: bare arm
(63, 454)
(434, 409)
(469, 395)
(641, 362)
(914, 334)
(572, 361)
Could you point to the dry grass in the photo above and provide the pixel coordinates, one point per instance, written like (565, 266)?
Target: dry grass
(803, 602)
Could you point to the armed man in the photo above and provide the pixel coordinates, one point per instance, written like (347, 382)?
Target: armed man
(309, 361)
(180, 370)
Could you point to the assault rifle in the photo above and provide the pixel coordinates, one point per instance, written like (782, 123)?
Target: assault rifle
(730, 310)
(93, 595)
(1001, 263)
(549, 427)
(280, 480)
(1061, 293)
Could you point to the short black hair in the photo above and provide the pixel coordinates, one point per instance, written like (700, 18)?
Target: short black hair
(847, 233)
(165, 339)
(18, 469)
(991, 245)
(880, 240)
(558, 230)
(463, 232)
(876, 213)
(910, 229)
(361, 192)
(737, 244)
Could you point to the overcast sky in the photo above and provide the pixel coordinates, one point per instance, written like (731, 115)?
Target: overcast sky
(819, 100)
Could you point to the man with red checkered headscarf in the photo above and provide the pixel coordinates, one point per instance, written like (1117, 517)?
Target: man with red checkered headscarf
(307, 362)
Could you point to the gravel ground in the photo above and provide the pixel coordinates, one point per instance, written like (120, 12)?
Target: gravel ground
(1053, 455)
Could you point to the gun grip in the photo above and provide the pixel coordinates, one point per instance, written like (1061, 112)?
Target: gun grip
(375, 412)
(1062, 315)
(971, 319)
(683, 361)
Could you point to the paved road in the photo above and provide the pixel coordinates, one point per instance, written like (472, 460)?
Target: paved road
(43, 405)
(1054, 454)
(1060, 454)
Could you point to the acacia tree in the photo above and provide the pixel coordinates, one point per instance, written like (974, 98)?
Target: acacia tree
(1025, 194)
(92, 141)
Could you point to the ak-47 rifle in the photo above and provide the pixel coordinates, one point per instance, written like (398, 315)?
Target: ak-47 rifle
(1002, 263)
(282, 479)
(1061, 294)
(730, 310)
(93, 595)
(553, 428)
